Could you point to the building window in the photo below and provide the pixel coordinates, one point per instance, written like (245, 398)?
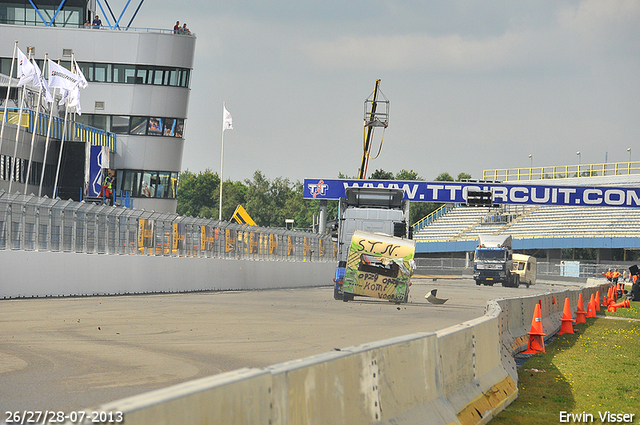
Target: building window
(119, 124)
(139, 126)
(102, 72)
(148, 184)
(124, 74)
(155, 127)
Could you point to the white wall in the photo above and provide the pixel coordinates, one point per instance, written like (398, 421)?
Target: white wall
(44, 274)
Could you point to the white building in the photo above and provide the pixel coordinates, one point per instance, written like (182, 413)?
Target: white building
(138, 89)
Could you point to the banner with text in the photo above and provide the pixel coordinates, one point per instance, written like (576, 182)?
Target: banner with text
(503, 193)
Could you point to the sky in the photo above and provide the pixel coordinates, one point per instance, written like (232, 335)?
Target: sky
(472, 85)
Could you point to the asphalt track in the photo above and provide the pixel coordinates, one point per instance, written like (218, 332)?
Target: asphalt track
(67, 354)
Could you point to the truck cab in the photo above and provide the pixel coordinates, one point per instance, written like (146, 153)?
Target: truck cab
(372, 210)
(493, 261)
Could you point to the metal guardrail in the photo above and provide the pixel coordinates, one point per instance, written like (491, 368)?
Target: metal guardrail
(445, 208)
(76, 132)
(32, 223)
(567, 267)
(562, 171)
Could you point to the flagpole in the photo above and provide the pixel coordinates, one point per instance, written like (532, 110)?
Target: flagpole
(221, 166)
(46, 142)
(33, 133)
(14, 170)
(226, 124)
(64, 130)
(5, 117)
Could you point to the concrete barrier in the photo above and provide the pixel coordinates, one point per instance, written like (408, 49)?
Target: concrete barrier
(53, 274)
(464, 374)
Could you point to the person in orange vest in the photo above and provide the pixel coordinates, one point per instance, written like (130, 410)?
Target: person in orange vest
(608, 274)
(614, 276)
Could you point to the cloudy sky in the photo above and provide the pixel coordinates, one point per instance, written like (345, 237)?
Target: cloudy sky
(473, 85)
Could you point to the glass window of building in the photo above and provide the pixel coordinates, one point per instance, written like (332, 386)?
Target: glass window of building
(131, 182)
(158, 77)
(149, 184)
(87, 70)
(138, 126)
(173, 193)
(101, 121)
(155, 127)
(124, 73)
(179, 127)
(102, 72)
(164, 181)
(120, 124)
(173, 79)
(169, 127)
(144, 74)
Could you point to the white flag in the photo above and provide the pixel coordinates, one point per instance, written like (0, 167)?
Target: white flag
(74, 100)
(227, 121)
(39, 81)
(82, 81)
(26, 72)
(61, 77)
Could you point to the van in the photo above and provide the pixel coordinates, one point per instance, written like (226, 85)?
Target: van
(526, 267)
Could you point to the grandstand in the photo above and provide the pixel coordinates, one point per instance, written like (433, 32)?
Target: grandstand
(455, 228)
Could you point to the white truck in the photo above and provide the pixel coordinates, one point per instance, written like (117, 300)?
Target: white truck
(493, 261)
(373, 210)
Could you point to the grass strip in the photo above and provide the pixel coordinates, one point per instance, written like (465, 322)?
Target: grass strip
(594, 371)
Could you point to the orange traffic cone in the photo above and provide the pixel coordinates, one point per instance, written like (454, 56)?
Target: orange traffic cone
(623, 304)
(567, 321)
(580, 315)
(536, 340)
(597, 303)
(609, 297)
(591, 310)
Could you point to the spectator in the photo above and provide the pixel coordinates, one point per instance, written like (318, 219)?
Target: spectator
(614, 276)
(87, 24)
(97, 23)
(185, 30)
(176, 28)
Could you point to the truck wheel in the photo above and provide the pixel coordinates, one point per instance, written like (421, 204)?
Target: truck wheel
(478, 282)
(516, 281)
(528, 284)
(337, 295)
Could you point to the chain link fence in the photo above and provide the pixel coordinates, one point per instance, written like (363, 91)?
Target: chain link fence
(32, 223)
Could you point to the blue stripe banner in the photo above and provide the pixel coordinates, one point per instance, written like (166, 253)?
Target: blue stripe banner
(503, 193)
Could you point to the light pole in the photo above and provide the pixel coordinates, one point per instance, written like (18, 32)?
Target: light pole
(579, 158)
(629, 150)
(531, 160)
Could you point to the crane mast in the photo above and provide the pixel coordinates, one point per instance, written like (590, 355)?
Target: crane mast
(376, 114)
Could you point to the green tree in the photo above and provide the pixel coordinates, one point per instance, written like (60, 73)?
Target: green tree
(408, 175)
(233, 194)
(444, 177)
(463, 176)
(198, 195)
(381, 175)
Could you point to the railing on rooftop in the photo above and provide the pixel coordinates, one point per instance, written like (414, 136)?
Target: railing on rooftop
(76, 132)
(563, 171)
(33, 223)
